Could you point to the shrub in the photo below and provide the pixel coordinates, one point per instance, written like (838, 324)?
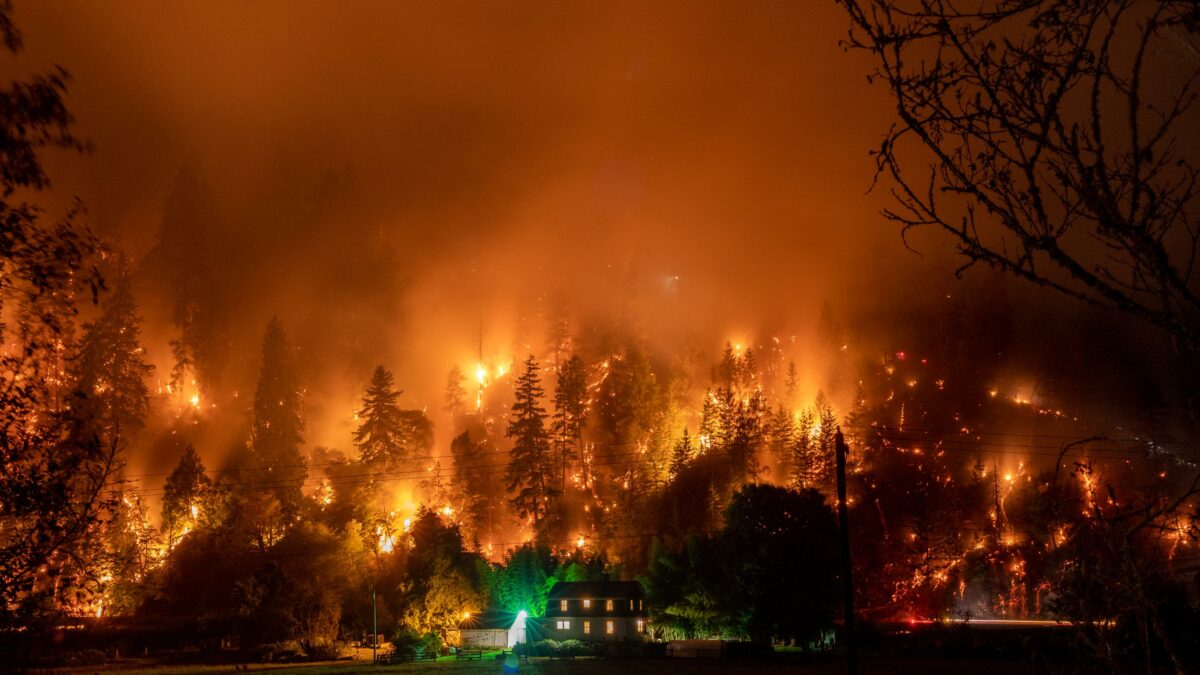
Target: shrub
(407, 640)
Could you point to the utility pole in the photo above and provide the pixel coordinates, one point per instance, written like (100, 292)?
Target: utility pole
(847, 578)
(374, 627)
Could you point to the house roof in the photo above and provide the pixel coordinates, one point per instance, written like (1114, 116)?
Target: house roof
(596, 589)
(492, 619)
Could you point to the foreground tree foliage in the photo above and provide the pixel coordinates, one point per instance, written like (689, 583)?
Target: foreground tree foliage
(1047, 139)
(54, 472)
(767, 575)
(1050, 139)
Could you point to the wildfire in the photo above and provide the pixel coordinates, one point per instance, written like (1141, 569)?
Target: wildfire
(387, 542)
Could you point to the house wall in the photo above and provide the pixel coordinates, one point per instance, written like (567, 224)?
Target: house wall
(624, 628)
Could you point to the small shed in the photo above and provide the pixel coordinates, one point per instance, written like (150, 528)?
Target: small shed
(493, 629)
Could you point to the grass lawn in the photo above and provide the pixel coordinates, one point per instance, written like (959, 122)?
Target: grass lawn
(448, 666)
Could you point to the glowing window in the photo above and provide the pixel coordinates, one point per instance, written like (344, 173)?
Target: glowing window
(609, 627)
(631, 605)
(608, 605)
(564, 625)
(639, 604)
(562, 605)
(587, 604)
(641, 626)
(587, 627)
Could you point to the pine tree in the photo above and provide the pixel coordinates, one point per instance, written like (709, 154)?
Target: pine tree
(792, 383)
(530, 465)
(456, 393)
(629, 399)
(857, 421)
(710, 420)
(380, 436)
(184, 494)
(814, 449)
(435, 493)
(727, 372)
(110, 369)
(747, 369)
(570, 412)
(472, 482)
(277, 425)
(182, 262)
(802, 449)
(780, 438)
(681, 454)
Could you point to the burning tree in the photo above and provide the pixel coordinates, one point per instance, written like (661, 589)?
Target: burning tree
(110, 369)
(531, 467)
(570, 412)
(379, 437)
(276, 433)
(52, 482)
(456, 393)
(183, 496)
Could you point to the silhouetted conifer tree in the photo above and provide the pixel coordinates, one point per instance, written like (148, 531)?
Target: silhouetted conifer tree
(530, 467)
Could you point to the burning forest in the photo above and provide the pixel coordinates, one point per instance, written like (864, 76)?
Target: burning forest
(418, 334)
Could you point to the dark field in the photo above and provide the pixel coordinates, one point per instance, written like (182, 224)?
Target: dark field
(868, 666)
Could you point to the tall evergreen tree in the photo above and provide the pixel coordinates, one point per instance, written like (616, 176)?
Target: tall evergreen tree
(110, 369)
(184, 494)
(827, 437)
(681, 454)
(570, 412)
(182, 261)
(530, 467)
(803, 449)
(380, 437)
(276, 431)
(629, 399)
(726, 373)
(472, 483)
(456, 393)
(792, 383)
(780, 438)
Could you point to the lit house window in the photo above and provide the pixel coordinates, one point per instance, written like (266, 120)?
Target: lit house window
(609, 627)
(639, 604)
(608, 605)
(566, 625)
(641, 626)
(587, 604)
(562, 604)
(587, 627)
(631, 605)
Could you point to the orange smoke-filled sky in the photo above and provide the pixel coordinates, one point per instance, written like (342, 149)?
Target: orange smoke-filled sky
(391, 178)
